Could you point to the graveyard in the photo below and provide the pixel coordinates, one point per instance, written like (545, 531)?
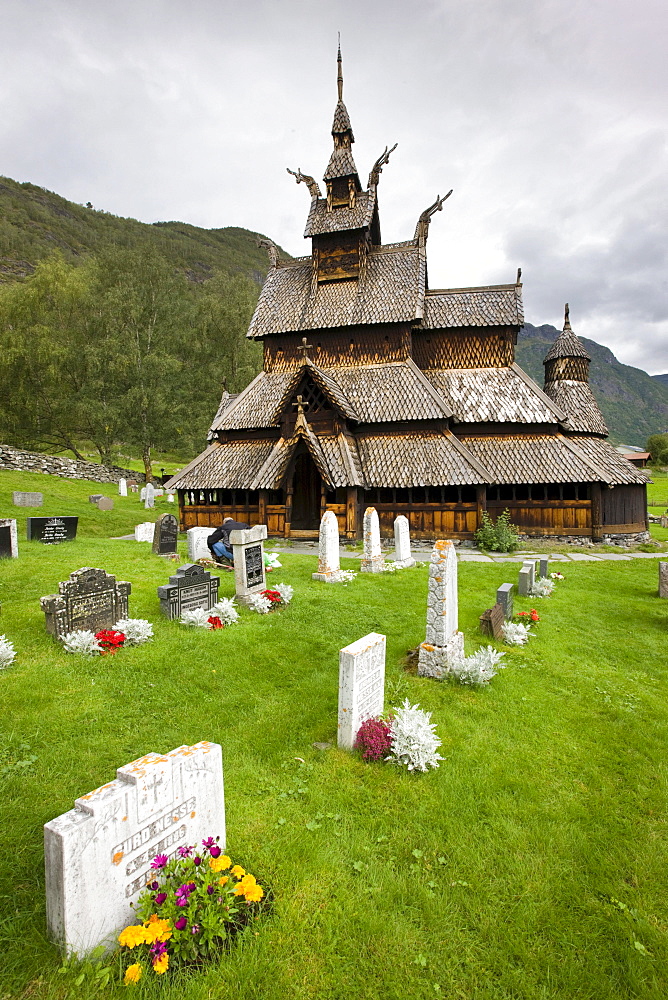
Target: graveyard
(530, 863)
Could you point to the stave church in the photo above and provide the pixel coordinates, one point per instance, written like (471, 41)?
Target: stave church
(379, 390)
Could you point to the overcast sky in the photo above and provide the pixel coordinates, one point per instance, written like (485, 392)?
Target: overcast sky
(547, 117)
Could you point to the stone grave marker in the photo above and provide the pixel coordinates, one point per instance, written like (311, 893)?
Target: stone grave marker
(142, 494)
(663, 579)
(197, 547)
(544, 568)
(149, 496)
(133, 487)
(94, 497)
(90, 599)
(98, 855)
(166, 535)
(329, 565)
(444, 644)
(191, 587)
(9, 544)
(504, 597)
(145, 531)
(373, 560)
(361, 685)
(122, 488)
(491, 622)
(402, 543)
(159, 492)
(524, 582)
(664, 521)
(248, 553)
(21, 499)
(105, 503)
(530, 564)
(170, 498)
(51, 530)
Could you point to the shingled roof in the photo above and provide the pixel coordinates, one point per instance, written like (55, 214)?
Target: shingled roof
(233, 464)
(341, 219)
(489, 305)
(496, 395)
(425, 459)
(578, 401)
(566, 345)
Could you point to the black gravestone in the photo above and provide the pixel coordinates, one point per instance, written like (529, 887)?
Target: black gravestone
(5, 542)
(166, 535)
(90, 599)
(253, 556)
(51, 530)
(191, 587)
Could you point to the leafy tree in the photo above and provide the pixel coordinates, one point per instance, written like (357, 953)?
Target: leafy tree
(656, 443)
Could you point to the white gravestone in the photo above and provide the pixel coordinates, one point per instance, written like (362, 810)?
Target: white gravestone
(329, 566)
(663, 579)
(444, 644)
(361, 685)
(170, 498)
(530, 564)
(372, 560)
(98, 856)
(9, 540)
(122, 488)
(149, 499)
(142, 494)
(144, 532)
(402, 543)
(197, 547)
(248, 553)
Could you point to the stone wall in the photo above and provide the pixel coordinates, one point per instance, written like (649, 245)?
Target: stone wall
(67, 468)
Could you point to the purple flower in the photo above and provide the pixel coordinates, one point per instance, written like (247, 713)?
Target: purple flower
(160, 898)
(180, 923)
(157, 949)
(197, 861)
(194, 929)
(184, 852)
(209, 842)
(182, 901)
(210, 890)
(153, 886)
(159, 861)
(215, 851)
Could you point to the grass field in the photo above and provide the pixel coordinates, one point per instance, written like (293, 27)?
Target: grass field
(531, 864)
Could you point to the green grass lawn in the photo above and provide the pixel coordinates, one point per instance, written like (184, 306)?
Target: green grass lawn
(657, 490)
(531, 864)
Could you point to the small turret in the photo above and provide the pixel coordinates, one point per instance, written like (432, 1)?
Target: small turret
(341, 177)
(567, 382)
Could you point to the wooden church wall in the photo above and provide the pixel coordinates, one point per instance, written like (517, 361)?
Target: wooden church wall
(352, 345)
(468, 347)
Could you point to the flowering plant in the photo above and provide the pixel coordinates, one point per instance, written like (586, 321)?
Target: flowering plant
(414, 741)
(226, 611)
(191, 905)
(347, 575)
(109, 640)
(542, 587)
(516, 633)
(268, 600)
(135, 630)
(374, 739)
(557, 576)
(81, 641)
(7, 652)
(479, 668)
(527, 617)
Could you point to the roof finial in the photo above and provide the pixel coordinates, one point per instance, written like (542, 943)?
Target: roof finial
(339, 75)
(567, 318)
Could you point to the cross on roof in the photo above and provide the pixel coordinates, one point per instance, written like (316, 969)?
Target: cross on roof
(304, 347)
(301, 402)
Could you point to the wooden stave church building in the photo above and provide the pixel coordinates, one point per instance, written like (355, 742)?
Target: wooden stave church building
(377, 390)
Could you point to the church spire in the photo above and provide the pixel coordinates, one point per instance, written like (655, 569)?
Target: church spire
(341, 168)
(339, 75)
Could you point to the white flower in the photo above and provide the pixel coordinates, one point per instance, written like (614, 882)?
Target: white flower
(347, 575)
(7, 653)
(556, 576)
(197, 617)
(256, 602)
(82, 642)
(516, 634)
(542, 587)
(135, 630)
(479, 668)
(225, 610)
(286, 592)
(414, 741)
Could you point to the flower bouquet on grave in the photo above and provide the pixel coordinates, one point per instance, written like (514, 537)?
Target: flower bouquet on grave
(135, 632)
(192, 907)
(542, 587)
(527, 617)
(557, 576)
(7, 652)
(269, 600)
(407, 737)
(221, 614)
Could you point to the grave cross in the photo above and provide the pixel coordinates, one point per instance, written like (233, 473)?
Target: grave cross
(304, 348)
(301, 403)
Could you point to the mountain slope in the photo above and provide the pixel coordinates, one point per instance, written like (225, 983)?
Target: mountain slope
(633, 403)
(34, 222)
(661, 378)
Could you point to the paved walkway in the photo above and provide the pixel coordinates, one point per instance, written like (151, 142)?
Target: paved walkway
(474, 555)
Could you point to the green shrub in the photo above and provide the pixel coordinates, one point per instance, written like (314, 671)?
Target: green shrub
(497, 537)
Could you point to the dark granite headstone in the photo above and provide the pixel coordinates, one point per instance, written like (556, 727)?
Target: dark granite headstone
(191, 587)
(9, 548)
(544, 568)
(90, 599)
(491, 622)
(105, 503)
(253, 557)
(504, 596)
(51, 530)
(166, 535)
(28, 499)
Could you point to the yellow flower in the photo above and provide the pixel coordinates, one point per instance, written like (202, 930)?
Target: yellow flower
(132, 936)
(238, 871)
(223, 880)
(220, 864)
(133, 974)
(254, 894)
(247, 882)
(157, 929)
(161, 964)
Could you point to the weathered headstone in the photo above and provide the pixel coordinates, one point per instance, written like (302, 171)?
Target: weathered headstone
(145, 531)
(159, 492)
(530, 564)
(402, 543)
(197, 547)
(329, 565)
(166, 535)
(170, 498)
(663, 579)
(191, 587)
(105, 503)
(21, 499)
(98, 855)
(248, 552)
(664, 521)
(122, 488)
(149, 496)
(491, 622)
(544, 568)
(51, 530)
(373, 560)
(133, 487)
(94, 497)
(90, 599)
(504, 597)
(524, 583)
(361, 685)
(9, 544)
(444, 644)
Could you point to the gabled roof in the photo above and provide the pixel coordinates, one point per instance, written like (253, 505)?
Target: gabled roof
(323, 379)
(489, 305)
(232, 465)
(496, 395)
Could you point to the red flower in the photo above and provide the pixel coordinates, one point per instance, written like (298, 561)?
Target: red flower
(272, 595)
(110, 640)
(215, 622)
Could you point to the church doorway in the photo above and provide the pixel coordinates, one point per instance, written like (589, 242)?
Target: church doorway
(306, 494)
